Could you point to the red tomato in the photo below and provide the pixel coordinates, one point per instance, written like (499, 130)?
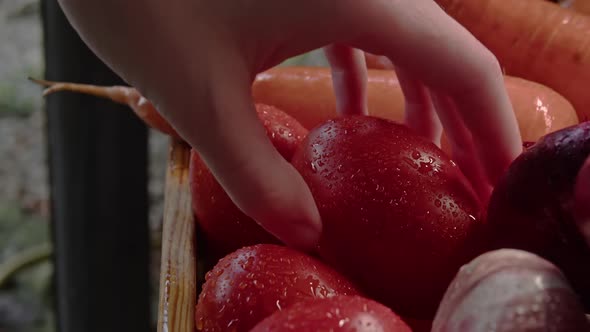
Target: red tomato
(398, 215)
(340, 313)
(225, 227)
(254, 282)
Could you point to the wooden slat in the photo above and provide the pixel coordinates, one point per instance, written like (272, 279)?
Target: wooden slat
(178, 271)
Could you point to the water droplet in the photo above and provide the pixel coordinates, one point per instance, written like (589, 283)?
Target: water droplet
(200, 323)
(424, 168)
(313, 167)
(342, 322)
(416, 155)
(232, 322)
(257, 284)
(437, 203)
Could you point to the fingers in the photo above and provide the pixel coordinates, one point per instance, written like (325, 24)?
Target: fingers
(582, 200)
(420, 114)
(224, 128)
(378, 62)
(349, 77)
(462, 146)
(429, 45)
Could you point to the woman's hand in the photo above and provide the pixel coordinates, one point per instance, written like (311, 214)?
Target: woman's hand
(196, 59)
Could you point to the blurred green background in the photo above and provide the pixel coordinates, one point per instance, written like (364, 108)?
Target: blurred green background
(25, 269)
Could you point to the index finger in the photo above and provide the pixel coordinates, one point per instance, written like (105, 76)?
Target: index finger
(419, 37)
(431, 46)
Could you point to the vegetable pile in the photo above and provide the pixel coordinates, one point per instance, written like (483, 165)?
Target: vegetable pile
(406, 243)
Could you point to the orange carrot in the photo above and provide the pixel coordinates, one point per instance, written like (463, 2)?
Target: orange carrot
(536, 40)
(307, 94)
(143, 108)
(582, 6)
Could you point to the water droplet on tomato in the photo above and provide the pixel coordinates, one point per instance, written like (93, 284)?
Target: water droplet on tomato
(232, 322)
(416, 155)
(342, 322)
(313, 167)
(200, 323)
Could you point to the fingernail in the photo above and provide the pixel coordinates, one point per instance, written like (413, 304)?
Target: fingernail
(305, 237)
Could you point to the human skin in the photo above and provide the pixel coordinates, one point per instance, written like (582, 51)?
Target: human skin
(196, 59)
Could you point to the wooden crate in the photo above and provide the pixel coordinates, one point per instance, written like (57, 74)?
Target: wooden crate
(178, 273)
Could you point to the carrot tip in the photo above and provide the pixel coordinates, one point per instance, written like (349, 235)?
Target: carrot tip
(51, 85)
(42, 82)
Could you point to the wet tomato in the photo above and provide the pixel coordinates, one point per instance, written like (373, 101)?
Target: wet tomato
(398, 215)
(252, 283)
(340, 313)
